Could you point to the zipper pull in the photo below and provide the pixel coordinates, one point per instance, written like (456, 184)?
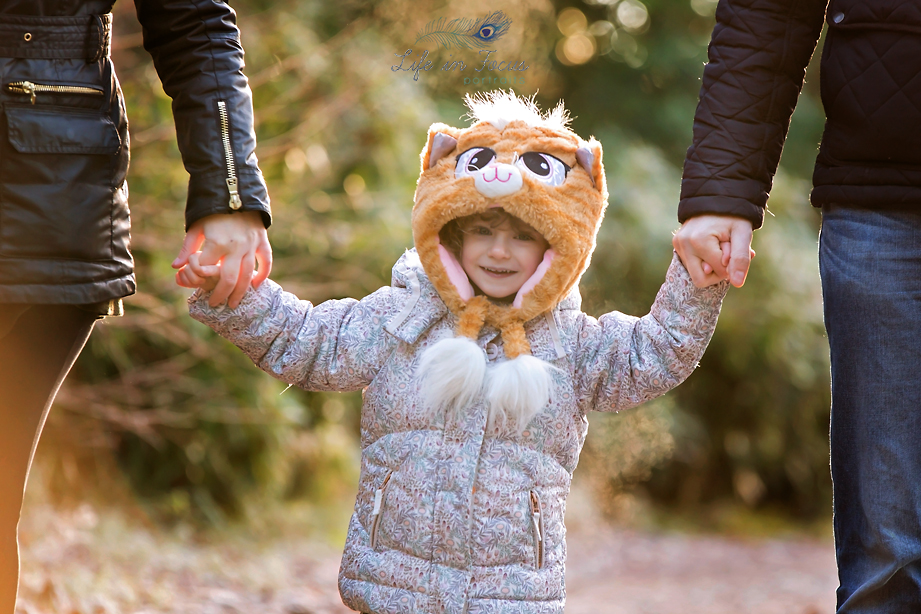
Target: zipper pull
(29, 88)
(235, 201)
(535, 516)
(378, 500)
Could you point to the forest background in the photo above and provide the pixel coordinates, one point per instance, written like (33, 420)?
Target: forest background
(182, 421)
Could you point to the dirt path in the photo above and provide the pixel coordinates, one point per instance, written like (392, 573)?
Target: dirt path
(79, 562)
(623, 572)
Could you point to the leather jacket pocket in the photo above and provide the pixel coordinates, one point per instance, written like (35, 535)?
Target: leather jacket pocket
(55, 131)
(58, 182)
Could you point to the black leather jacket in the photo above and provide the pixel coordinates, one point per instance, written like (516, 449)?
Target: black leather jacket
(64, 225)
(869, 156)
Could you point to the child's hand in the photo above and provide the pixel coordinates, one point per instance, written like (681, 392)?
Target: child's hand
(726, 249)
(196, 275)
(715, 247)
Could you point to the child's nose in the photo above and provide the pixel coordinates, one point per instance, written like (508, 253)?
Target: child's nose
(499, 247)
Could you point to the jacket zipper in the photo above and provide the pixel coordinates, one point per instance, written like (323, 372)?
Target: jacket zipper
(538, 525)
(235, 201)
(31, 89)
(376, 512)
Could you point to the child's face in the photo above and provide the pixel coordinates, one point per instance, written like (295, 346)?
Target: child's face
(500, 259)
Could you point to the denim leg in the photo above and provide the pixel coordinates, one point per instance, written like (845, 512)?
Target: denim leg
(870, 263)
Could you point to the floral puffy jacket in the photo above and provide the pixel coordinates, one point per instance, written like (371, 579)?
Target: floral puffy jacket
(452, 517)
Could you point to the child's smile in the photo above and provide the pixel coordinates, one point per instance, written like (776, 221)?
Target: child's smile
(498, 260)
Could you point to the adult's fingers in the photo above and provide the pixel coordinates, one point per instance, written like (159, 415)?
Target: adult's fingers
(726, 253)
(212, 253)
(247, 267)
(230, 272)
(190, 244)
(740, 253)
(264, 259)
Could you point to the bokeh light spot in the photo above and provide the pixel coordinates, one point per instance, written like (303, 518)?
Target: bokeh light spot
(633, 15)
(296, 160)
(704, 8)
(576, 49)
(354, 185)
(571, 21)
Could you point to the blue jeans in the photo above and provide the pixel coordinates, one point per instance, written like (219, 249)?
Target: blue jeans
(870, 263)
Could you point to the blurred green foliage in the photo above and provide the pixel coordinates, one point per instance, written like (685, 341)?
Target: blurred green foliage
(199, 431)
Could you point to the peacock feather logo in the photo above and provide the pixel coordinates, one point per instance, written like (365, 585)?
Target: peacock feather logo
(465, 33)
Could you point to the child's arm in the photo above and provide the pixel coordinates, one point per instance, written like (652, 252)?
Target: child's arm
(623, 361)
(337, 345)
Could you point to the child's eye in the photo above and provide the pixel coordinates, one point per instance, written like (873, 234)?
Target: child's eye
(473, 160)
(481, 230)
(525, 237)
(544, 167)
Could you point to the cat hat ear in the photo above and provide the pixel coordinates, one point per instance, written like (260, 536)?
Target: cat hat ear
(536, 169)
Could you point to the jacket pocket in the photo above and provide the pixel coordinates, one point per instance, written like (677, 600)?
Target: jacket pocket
(537, 527)
(378, 509)
(55, 131)
(58, 175)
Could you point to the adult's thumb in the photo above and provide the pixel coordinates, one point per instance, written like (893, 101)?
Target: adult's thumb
(740, 254)
(190, 245)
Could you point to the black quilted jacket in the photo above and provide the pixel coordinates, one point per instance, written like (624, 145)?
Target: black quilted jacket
(870, 74)
(64, 224)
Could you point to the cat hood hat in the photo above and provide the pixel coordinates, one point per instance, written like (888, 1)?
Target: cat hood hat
(535, 168)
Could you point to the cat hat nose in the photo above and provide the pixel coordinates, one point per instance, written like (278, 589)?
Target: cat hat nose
(497, 180)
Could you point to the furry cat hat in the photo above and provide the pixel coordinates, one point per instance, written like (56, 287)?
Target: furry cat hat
(538, 170)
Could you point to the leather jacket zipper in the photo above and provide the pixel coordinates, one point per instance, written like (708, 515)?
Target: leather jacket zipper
(32, 89)
(378, 506)
(538, 527)
(235, 201)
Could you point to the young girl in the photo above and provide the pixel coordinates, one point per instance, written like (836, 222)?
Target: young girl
(478, 368)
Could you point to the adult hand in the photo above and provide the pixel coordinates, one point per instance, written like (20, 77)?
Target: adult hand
(238, 241)
(714, 248)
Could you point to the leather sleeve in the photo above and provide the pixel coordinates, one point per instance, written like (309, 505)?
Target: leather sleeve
(757, 62)
(196, 50)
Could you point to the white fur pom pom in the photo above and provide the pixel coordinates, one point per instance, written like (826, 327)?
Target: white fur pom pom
(451, 374)
(518, 390)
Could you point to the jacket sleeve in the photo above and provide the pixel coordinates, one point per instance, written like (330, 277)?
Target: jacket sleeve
(757, 63)
(622, 361)
(195, 45)
(338, 345)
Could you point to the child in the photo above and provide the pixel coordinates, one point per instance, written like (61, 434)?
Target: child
(478, 367)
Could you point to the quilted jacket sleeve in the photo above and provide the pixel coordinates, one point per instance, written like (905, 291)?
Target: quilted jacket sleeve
(338, 345)
(757, 62)
(622, 361)
(195, 45)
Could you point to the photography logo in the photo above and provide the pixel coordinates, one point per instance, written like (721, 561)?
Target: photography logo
(465, 33)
